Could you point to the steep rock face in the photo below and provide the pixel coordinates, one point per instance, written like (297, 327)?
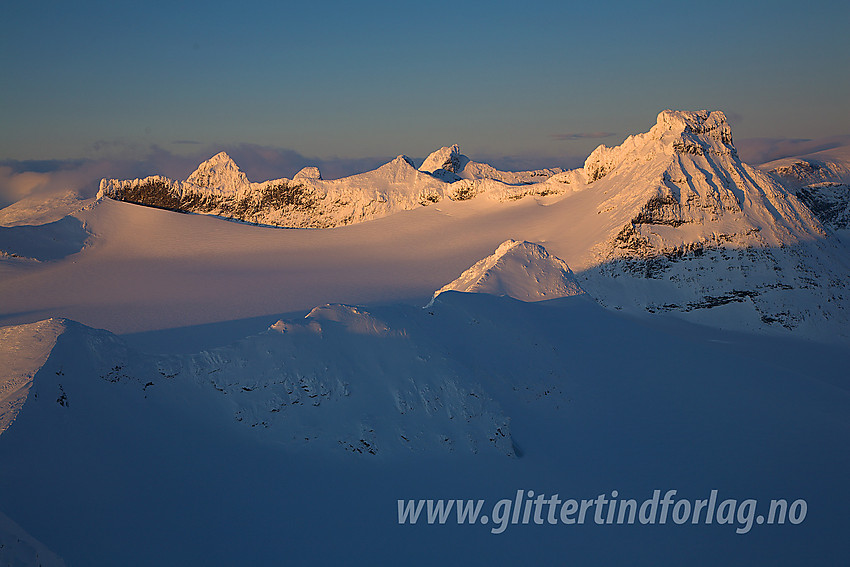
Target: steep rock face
(682, 183)
(522, 270)
(830, 202)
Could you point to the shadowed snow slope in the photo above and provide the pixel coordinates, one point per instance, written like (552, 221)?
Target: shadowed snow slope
(18, 548)
(279, 443)
(50, 241)
(522, 270)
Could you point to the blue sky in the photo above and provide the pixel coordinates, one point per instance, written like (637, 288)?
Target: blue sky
(354, 80)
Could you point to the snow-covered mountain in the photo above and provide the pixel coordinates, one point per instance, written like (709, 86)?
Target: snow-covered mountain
(43, 242)
(313, 384)
(25, 350)
(683, 226)
(449, 164)
(218, 187)
(522, 270)
(821, 180)
(832, 165)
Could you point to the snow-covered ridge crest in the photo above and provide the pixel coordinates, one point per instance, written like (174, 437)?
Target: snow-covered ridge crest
(218, 187)
(519, 269)
(675, 132)
(450, 165)
(340, 380)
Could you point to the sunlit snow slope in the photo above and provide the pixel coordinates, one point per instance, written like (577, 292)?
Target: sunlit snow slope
(522, 270)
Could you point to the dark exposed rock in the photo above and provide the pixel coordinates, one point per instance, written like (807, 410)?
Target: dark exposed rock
(830, 203)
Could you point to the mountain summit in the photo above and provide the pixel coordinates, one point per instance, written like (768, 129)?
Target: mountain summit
(519, 269)
(684, 227)
(448, 159)
(219, 173)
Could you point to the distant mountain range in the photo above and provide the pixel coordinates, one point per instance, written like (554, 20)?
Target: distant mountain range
(219, 187)
(673, 220)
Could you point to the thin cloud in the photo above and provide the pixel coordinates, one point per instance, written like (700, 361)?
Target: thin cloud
(582, 136)
(186, 142)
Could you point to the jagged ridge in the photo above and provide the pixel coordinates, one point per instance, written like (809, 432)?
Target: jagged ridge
(218, 187)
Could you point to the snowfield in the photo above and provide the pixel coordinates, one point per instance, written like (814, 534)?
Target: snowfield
(183, 389)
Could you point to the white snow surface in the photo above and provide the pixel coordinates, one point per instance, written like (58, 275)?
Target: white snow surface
(308, 172)
(41, 209)
(522, 270)
(275, 392)
(219, 174)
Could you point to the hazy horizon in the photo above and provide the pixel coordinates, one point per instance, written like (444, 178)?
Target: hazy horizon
(359, 82)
